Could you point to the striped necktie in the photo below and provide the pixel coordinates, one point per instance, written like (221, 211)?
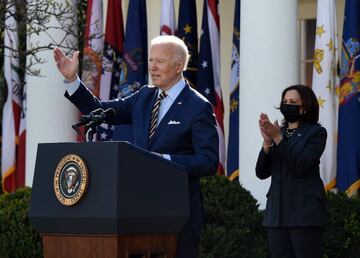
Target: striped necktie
(155, 113)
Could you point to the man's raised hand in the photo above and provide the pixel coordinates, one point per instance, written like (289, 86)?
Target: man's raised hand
(68, 67)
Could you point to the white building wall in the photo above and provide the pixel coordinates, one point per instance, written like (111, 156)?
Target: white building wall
(269, 62)
(49, 114)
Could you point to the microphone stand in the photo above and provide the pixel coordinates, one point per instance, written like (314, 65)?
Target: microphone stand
(86, 120)
(92, 121)
(89, 132)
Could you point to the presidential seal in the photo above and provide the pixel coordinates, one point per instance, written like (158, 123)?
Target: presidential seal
(70, 180)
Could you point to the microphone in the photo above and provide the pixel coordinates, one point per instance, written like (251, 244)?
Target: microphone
(99, 118)
(87, 118)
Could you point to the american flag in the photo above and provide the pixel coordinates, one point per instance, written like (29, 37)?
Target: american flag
(111, 64)
(208, 77)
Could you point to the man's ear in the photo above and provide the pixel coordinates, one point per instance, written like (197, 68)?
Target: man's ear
(180, 66)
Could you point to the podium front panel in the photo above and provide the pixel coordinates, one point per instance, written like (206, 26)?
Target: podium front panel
(130, 191)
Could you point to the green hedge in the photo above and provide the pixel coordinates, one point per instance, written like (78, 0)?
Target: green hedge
(233, 221)
(233, 224)
(342, 238)
(17, 237)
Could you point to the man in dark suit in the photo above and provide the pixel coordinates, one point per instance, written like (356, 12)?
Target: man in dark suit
(170, 119)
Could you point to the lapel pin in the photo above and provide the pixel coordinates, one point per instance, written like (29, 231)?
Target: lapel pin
(179, 103)
(299, 134)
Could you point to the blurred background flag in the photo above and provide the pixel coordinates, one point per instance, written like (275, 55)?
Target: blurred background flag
(208, 77)
(93, 48)
(111, 61)
(13, 123)
(21, 151)
(324, 84)
(232, 169)
(167, 18)
(94, 45)
(348, 153)
(134, 64)
(187, 31)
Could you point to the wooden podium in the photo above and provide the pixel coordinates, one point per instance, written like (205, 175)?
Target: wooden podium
(134, 206)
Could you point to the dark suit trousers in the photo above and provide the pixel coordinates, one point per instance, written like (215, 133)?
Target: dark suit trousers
(188, 242)
(296, 242)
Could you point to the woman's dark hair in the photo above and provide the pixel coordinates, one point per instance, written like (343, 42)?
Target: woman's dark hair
(310, 104)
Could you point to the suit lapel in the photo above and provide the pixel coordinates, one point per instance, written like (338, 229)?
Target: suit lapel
(178, 104)
(298, 134)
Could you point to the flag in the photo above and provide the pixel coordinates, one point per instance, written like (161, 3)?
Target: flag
(187, 31)
(348, 152)
(134, 64)
(232, 169)
(13, 165)
(111, 62)
(94, 45)
(324, 84)
(21, 152)
(167, 18)
(208, 76)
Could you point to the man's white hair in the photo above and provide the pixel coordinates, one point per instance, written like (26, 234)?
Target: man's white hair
(181, 50)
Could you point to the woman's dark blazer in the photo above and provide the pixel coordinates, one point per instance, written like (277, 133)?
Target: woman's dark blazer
(296, 197)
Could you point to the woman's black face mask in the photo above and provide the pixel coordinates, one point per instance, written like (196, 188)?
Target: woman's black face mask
(291, 113)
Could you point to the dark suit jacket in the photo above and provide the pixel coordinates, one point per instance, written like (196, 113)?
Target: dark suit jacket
(193, 142)
(296, 197)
